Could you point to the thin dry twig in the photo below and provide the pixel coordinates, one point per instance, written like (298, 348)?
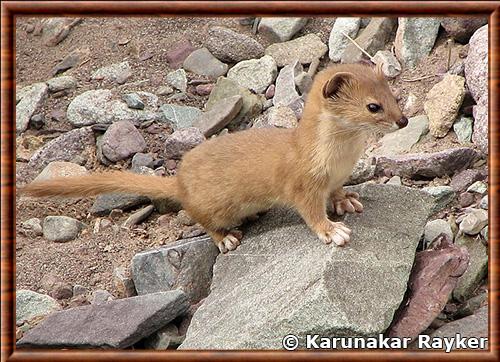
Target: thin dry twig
(420, 78)
(358, 46)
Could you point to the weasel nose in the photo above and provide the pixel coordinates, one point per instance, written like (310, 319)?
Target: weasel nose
(403, 122)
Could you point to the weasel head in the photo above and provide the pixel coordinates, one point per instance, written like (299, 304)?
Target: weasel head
(358, 97)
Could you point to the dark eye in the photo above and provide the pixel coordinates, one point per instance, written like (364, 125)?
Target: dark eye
(374, 108)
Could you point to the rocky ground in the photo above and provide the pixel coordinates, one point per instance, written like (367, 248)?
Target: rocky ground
(117, 93)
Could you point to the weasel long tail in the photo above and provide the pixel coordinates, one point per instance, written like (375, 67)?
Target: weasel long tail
(100, 183)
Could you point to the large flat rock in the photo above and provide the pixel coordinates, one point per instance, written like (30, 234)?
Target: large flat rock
(283, 280)
(116, 324)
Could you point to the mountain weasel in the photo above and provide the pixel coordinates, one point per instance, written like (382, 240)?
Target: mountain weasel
(229, 178)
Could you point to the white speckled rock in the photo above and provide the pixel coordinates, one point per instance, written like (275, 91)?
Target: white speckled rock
(337, 42)
(254, 74)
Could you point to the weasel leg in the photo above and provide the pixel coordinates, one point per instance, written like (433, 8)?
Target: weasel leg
(346, 201)
(336, 232)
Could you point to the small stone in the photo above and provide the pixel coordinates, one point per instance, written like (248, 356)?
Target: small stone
(164, 90)
(337, 41)
(480, 134)
(443, 195)
(462, 180)
(281, 29)
(415, 38)
(474, 221)
(443, 103)
(101, 296)
(410, 107)
(31, 227)
(477, 270)
(394, 180)
(364, 170)
(285, 93)
(461, 29)
(138, 216)
(219, 115)
(202, 62)
(402, 140)
(31, 305)
(254, 74)
(436, 227)
(373, 38)
(61, 290)
(176, 55)
(69, 61)
(204, 89)
(230, 46)
(122, 140)
(478, 187)
(123, 282)
(180, 117)
(466, 199)
(30, 99)
(61, 83)
(133, 101)
(463, 129)
(118, 73)
(104, 204)
(37, 121)
(303, 81)
(484, 203)
(177, 79)
(166, 338)
(58, 115)
(282, 117)
(142, 160)
(80, 290)
(184, 219)
(61, 228)
(182, 141)
(55, 30)
(58, 169)
(304, 49)
(389, 62)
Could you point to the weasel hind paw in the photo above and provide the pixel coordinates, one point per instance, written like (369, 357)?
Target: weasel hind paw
(349, 204)
(230, 242)
(336, 232)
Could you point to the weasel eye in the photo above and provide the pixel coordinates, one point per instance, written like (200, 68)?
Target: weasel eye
(374, 108)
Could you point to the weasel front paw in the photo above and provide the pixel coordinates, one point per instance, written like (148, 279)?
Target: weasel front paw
(336, 232)
(347, 203)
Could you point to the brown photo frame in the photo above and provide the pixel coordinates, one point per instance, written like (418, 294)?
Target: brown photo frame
(11, 9)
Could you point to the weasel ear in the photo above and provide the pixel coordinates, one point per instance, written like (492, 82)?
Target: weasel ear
(332, 87)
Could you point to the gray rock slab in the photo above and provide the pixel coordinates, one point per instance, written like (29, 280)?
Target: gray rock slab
(304, 49)
(115, 324)
(186, 265)
(103, 204)
(281, 29)
(28, 100)
(283, 280)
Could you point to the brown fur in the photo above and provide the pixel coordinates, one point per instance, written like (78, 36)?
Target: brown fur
(228, 178)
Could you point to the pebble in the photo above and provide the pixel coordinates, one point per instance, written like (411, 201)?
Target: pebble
(254, 74)
(164, 90)
(58, 169)
(443, 103)
(133, 101)
(57, 115)
(28, 100)
(285, 93)
(122, 140)
(337, 41)
(118, 72)
(389, 63)
(230, 46)
(478, 187)
(61, 228)
(434, 228)
(80, 290)
(68, 62)
(181, 141)
(466, 199)
(202, 62)
(31, 305)
(123, 282)
(463, 179)
(32, 227)
(415, 38)
(443, 196)
(61, 83)
(138, 216)
(101, 296)
(176, 55)
(463, 129)
(37, 121)
(142, 160)
(394, 180)
(177, 79)
(281, 29)
(484, 203)
(219, 115)
(304, 49)
(282, 117)
(179, 116)
(474, 221)
(204, 89)
(270, 91)
(373, 38)
(184, 219)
